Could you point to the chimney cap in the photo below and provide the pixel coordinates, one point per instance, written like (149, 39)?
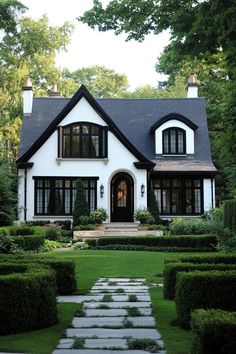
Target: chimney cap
(27, 85)
(192, 80)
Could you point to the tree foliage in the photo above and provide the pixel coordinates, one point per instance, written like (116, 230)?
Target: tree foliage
(80, 205)
(8, 198)
(9, 11)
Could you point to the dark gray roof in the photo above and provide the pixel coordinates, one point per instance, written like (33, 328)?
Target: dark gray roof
(134, 117)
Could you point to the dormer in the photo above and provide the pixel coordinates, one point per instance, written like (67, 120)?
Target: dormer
(174, 135)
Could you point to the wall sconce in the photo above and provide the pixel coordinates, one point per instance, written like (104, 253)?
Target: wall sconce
(101, 190)
(142, 189)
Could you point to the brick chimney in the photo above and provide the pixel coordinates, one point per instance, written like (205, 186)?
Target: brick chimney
(54, 92)
(27, 97)
(192, 86)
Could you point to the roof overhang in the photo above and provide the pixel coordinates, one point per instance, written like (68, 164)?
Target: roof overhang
(175, 116)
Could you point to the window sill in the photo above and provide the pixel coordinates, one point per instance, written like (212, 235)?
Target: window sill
(174, 155)
(59, 160)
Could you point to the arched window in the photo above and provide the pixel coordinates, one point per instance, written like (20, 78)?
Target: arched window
(84, 140)
(174, 141)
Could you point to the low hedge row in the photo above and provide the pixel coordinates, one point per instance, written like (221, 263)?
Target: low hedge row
(28, 298)
(206, 242)
(213, 331)
(64, 270)
(206, 290)
(149, 248)
(229, 258)
(172, 269)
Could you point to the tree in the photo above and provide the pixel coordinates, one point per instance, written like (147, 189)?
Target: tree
(100, 81)
(152, 206)
(9, 11)
(31, 52)
(8, 198)
(80, 205)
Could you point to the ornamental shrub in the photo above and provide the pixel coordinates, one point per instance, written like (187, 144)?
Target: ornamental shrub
(21, 230)
(189, 226)
(53, 232)
(230, 214)
(144, 216)
(99, 215)
(10, 245)
(80, 205)
(171, 271)
(213, 331)
(153, 207)
(28, 298)
(32, 242)
(206, 290)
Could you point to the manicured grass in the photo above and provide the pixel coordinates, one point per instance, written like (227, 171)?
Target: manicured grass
(90, 265)
(42, 341)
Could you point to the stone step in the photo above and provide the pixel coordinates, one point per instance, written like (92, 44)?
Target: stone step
(115, 312)
(86, 322)
(100, 351)
(121, 225)
(97, 298)
(113, 333)
(126, 291)
(121, 279)
(123, 286)
(116, 305)
(119, 283)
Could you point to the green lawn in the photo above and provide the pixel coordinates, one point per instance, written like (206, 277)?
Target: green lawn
(90, 265)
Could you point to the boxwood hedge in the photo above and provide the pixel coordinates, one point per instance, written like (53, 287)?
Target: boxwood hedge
(172, 269)
(213, 331)
(206, 242)
(195, 290)
(208, 258)
(28, 298)
(64, 270)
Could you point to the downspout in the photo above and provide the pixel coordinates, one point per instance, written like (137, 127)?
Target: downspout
(212, 196)
(25, 195)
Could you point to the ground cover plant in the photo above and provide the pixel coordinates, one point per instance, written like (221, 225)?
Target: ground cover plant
(90, 265)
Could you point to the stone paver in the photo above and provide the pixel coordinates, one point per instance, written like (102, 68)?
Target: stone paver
(116, 305)
(105, 330)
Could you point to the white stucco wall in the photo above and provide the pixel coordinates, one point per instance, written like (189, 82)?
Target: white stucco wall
(174, 123)
(209, 193)
(119, 160)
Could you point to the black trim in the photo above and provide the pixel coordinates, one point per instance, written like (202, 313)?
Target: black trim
(82, 92)
(182, 173)
(171, 116)
(176, 130)
(25, 195)
(144, 165)
(24, 165)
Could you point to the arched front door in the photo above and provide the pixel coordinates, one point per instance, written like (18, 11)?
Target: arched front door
(122, 197)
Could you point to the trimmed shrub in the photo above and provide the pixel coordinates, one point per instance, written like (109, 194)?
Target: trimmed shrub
(64, 269)
(214, 258)
(199, 242)
(206, 290)
(37, 222)
(99, 215)
(91, 242)
(188, 226)
(230, 214)
(213, 331)
(10, 245)
(32, 242)
(153, 207)
(21, 230)
(65, 224)
(28, 298)
(53, 232)
(85, 227)
(172, 269)
(80, 205)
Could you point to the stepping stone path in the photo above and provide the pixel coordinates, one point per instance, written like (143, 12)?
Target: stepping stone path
(117, 311)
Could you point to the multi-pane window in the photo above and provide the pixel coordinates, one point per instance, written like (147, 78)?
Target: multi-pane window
(56, 196)
(174, 141)
(84, 140)
(178, 196)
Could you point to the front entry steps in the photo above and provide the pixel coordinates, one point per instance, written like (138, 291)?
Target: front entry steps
(111, 321)
(117, 229)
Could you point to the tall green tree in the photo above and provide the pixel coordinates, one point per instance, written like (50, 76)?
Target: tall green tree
(8, 198)
(9, 12)
(100, 81)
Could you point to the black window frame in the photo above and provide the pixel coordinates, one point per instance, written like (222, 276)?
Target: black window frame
(183, 190)
(176, 130)
(102, 140)
(52, 189)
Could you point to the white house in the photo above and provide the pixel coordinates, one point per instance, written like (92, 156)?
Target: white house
(120, 148)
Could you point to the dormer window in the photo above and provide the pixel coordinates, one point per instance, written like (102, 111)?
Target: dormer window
(174, 141)
(84, 140)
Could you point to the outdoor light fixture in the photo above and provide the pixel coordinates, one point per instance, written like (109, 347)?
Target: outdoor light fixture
(101, 190)
(142, 189)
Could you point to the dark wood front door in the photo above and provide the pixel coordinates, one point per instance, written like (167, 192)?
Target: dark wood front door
(122, 197)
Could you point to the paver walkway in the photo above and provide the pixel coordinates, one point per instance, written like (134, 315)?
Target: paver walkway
(117, 312)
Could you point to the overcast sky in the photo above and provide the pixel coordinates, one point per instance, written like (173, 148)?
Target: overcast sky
(89, 47)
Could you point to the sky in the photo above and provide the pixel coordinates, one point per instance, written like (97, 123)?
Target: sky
(90, 47)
